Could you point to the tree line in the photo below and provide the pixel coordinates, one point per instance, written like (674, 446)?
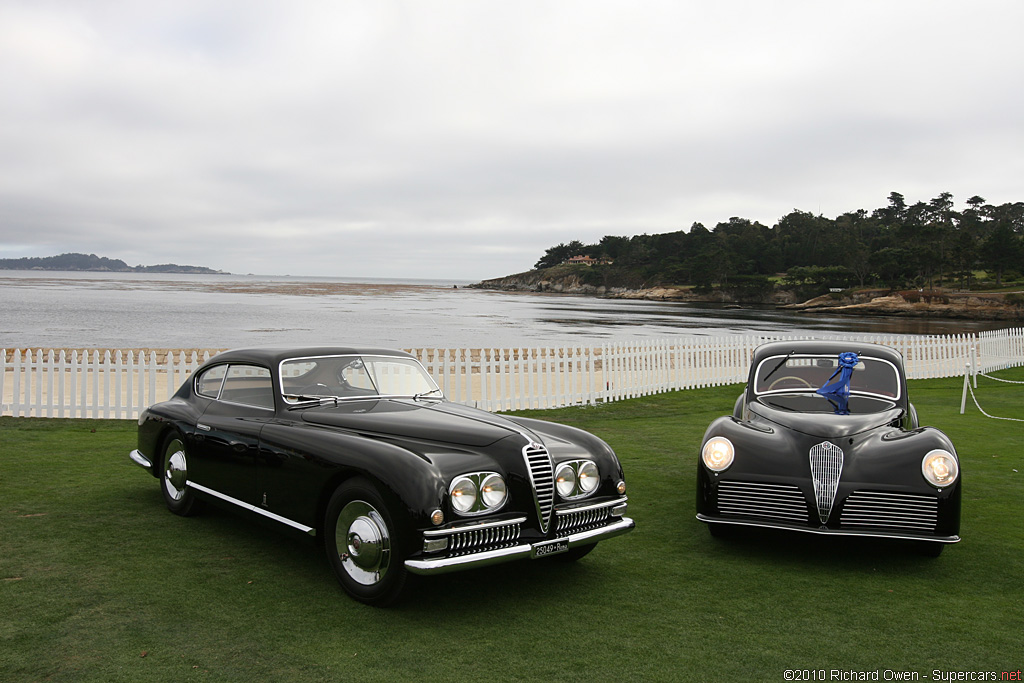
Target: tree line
(92, 262)
(922, 245)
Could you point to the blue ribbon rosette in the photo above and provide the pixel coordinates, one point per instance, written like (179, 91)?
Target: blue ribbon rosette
(840, 388)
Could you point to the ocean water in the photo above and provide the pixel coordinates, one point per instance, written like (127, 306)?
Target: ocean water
(141, 310)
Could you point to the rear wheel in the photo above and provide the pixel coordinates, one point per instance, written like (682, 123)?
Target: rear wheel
(362, 545)
(180, 499)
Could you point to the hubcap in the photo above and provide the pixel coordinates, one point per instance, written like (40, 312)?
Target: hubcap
(175, 469)
(363, 542)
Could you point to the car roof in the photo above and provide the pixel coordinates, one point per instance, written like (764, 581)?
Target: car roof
(827, 348)
(273, 355)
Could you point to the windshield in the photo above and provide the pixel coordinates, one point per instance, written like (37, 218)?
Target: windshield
(354, 377)
(807, 373)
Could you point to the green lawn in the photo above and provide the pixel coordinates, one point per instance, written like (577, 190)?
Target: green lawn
(98, 582)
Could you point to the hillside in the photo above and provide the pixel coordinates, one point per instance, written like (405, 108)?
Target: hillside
(94, 263)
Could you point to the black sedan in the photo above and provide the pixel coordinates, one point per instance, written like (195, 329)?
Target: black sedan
(359, 448)
(825, 440)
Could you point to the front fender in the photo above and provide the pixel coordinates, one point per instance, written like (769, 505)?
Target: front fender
(307, 463)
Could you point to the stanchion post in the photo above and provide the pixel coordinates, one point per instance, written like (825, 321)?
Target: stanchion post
(967, 386)
(974, 365)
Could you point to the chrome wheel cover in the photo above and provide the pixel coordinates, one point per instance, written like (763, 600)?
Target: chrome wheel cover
(363, 543)
(175, 469)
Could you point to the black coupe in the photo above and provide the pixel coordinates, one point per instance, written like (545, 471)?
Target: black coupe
(359, 448)
(824, 439)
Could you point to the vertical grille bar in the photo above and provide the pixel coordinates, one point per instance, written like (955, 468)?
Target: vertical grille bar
(542, 475)
(826, 468)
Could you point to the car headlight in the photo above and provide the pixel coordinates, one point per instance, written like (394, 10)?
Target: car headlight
(718, 453)
(577, 478)
(493, 491)
(940, 468)
(463, 494)
(588, 477)
(565, 480)
(478, 493)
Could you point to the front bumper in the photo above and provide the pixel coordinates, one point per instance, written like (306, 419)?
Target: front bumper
(443, 565)
(826, 531)
(139, 459)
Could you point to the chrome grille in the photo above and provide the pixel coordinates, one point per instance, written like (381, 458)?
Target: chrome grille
(826, 468)
(572, 521)
(877, 509)
(542, 475)
(773, 501)
(473, 540)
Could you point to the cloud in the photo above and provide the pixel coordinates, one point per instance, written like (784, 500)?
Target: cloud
(461, 139)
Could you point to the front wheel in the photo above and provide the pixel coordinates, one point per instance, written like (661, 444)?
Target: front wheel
(929, 549)
(180, 499)
(362, 544)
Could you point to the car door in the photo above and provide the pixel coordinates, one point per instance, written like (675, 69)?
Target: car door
(229, 433)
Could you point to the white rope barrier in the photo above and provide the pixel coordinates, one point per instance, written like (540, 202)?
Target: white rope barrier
(1008, 381)
(969, 389)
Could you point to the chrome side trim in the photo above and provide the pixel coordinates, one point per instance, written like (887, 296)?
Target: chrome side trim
(823, 531)
(252, 508)
(444, 565)
(139, 459)
(472, 526)
(568, 510)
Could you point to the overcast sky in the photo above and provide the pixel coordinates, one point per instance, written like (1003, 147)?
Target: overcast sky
(460, 139)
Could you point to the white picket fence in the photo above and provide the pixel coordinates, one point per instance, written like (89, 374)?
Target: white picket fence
(119, 383)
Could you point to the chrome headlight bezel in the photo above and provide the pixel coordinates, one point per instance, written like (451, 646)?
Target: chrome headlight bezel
(940, 468)
(718, 454)
(573, 479)
(477, 493)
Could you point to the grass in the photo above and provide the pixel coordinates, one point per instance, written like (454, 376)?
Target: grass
(98, 582)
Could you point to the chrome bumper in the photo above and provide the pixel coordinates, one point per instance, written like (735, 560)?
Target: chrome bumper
(141, 460)
(865, 533)
(442, 565)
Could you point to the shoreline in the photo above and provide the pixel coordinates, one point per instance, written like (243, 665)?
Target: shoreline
(939, 303)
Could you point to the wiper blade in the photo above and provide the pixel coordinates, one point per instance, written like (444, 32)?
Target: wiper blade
(322, 400)
(427, 393)
(781, 363)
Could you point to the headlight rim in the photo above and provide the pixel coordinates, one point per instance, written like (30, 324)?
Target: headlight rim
(926, 471)
(719, 468)
(452, 497)
(483, 493)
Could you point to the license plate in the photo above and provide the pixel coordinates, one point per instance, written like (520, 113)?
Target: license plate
(559, 545)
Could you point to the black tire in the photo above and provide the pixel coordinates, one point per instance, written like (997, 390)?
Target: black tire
(573, 554)
(721, 530)
(363, 544)
(180, 499)
(930, 549)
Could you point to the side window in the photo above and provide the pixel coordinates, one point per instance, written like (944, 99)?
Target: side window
(248, 384)
(208, 383)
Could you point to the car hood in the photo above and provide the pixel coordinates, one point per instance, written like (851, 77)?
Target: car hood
(438, 421)
(807, 416)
